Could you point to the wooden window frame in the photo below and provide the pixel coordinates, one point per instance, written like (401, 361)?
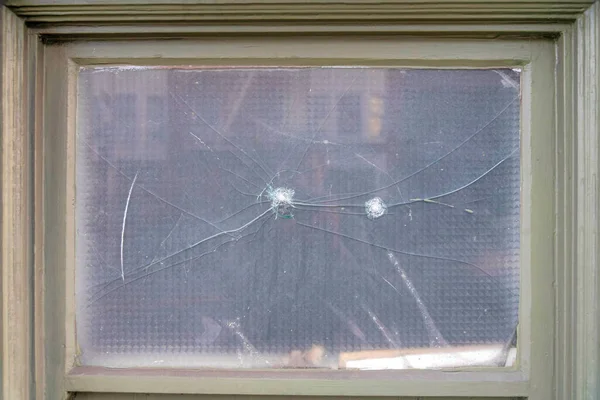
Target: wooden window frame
(42, 45)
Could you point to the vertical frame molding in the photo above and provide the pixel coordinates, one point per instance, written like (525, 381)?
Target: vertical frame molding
(17, 252)
(586, 296)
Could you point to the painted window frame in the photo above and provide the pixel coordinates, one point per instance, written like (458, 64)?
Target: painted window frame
(536, 59)
(41, 48)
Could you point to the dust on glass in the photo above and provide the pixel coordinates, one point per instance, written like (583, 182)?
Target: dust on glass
(345, 218)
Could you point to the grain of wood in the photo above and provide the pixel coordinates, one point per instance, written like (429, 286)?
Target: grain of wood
(16, 214)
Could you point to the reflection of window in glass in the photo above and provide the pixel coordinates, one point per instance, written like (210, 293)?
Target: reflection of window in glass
(301, 217)
(125, 115)
(156, 123)
(315, 104)
(349, 115)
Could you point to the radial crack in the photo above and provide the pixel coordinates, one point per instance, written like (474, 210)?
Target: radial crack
(124, 221)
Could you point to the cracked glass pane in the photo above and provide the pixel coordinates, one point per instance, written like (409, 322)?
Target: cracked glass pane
(345, 218)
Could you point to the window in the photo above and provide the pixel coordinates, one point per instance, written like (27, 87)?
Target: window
(242, 249)
(257, 241)
(297, 213)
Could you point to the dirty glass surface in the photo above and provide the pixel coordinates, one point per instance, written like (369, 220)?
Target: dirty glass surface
(361, 218)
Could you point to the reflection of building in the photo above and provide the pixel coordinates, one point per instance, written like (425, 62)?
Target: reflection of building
(135, 111)
(128, 126)
(205, 144)
(321, 102)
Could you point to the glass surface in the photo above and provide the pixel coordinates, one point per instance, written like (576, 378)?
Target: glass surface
(363, 218)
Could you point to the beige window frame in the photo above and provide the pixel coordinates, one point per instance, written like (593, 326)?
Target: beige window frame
(555, 44)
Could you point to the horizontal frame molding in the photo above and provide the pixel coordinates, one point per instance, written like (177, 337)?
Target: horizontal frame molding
(286, 11)
(437, 383)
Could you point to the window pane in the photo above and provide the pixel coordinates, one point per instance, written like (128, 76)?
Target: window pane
(360, 218)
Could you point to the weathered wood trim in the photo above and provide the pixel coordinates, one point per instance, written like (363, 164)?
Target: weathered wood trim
(586, 296)
(17, 213)
(123, 32)
(536, 56)
(130, 396)
(576, 202)
(577, 326)
(565, 218)
(315, 51)
(36, 98)
(288, 11)
(413, 383)
(57, 187)
(538, 171)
